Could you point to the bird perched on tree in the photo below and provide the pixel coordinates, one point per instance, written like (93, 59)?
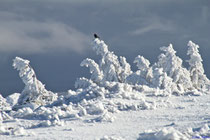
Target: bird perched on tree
(96, 36)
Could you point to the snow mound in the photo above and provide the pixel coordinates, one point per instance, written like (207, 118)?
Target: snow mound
(19, 131)
(173, 134)
(164, 134)
(111, 138)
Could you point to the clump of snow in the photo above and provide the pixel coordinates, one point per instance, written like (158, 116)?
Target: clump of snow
(17, 131)
(106, 117)
(95, 109)
(34, 91)
(164, 134)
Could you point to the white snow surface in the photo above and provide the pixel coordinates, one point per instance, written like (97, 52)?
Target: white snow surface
(160, 101)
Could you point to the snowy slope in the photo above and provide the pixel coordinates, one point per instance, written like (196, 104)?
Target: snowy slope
(160, 101)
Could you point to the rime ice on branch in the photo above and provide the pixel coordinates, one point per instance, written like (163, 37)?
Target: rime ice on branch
(34, 91)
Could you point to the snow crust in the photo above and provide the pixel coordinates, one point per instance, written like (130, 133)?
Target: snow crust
(113, 88)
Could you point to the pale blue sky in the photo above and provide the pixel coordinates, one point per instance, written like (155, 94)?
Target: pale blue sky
(55, 35)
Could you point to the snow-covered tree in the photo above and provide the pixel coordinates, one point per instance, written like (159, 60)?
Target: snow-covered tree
(167, 74)
(34, 91)
(109, 62)
(97, 74)
(142, 75)
(142, 64)
(110, 68)
(172, 65)
(126, 69)
(199, 79)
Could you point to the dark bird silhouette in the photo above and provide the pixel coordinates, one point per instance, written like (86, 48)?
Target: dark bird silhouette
(96, 36)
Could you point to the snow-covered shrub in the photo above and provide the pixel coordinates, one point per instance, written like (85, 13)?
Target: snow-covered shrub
(97, 74)
(34, 91)
(113, 69)
(140, 77)
(172, 65)
(104, 76)
(126, 69)
(198, 78)
(150, 76)
(87, 90)
(142, 63)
